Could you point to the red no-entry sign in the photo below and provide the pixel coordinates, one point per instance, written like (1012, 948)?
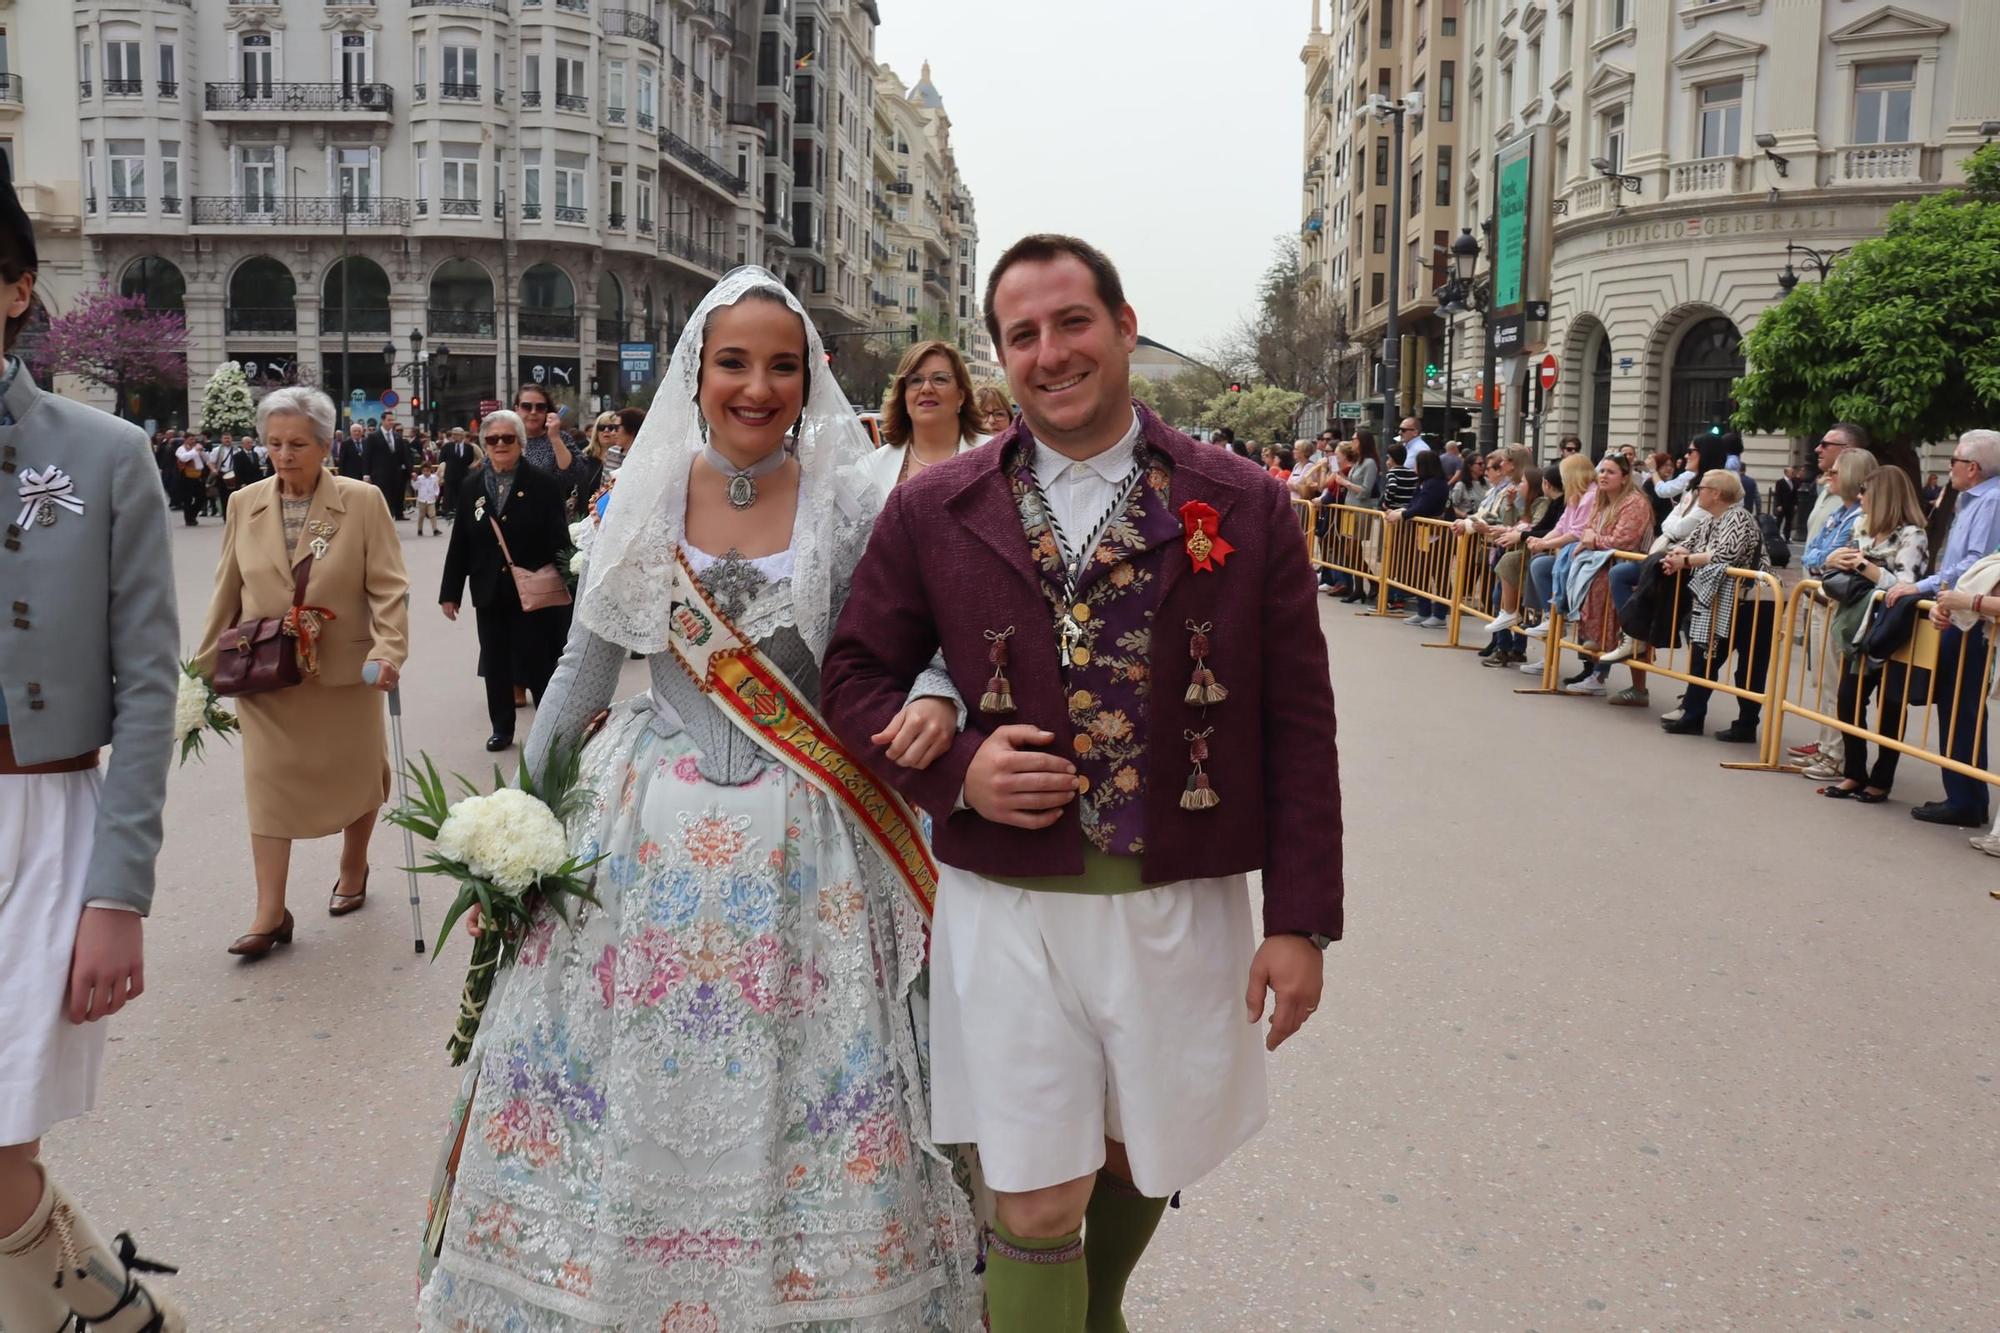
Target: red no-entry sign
(1548, 372)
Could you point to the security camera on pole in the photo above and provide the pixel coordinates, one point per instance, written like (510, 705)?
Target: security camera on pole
(1384, 110)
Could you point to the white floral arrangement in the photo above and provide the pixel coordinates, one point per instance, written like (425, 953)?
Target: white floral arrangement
(509, 852)
(199, 710)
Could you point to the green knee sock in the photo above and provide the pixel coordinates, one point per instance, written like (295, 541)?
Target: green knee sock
(1117, 1227)
(1035, 1286)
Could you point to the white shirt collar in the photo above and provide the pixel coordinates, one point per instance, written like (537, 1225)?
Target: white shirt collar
(1112, 465)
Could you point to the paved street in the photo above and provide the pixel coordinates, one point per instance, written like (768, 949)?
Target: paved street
(1618, 1040)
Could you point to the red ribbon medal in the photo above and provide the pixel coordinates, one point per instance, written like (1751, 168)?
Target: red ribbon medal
(1205, 546)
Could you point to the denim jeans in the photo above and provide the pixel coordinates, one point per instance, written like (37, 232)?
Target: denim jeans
(1541, 573)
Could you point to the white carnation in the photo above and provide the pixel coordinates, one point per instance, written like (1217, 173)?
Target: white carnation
(190, 707)
(577, 531)
(576, 561)
(507, 837)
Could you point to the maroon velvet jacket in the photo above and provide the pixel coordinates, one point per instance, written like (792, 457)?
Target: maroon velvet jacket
(949, 560)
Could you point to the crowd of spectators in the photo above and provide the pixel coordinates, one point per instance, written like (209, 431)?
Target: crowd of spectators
(1875, 538)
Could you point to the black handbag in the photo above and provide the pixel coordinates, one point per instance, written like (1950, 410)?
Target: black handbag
(1891, 629)
(1844, 586)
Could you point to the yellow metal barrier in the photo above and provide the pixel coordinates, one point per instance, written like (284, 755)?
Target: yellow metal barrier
(1422, 560)
(1480, 589)
(1347, 540)
(1931, 667)
(1696, 662)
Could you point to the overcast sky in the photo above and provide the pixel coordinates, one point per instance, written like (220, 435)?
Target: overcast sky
(1166, 133)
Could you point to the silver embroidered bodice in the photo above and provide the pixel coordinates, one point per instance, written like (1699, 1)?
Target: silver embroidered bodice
(761, 607)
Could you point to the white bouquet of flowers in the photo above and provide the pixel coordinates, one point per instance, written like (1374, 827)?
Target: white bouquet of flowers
(198, 710)
(510, 854)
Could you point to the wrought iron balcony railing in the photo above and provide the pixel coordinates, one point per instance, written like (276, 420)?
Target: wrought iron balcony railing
(128, 203)
(221, 210)
(571, 213)
(360, 319)
(459, 208)
(614, 115)
(167, 87)
(494, 6)
(261, 319)
(686, 247)
(344, 98)
(552, 325)
(686, 153)
(461, 323)
(10, 89)
(625, 23)
(459, 92)
(531, 97)
(572, 102)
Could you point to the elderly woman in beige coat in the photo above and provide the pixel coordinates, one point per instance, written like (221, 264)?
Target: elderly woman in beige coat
(315, 758)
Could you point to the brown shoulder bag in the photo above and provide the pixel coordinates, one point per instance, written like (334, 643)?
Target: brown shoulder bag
(539, 589)
(258, 656)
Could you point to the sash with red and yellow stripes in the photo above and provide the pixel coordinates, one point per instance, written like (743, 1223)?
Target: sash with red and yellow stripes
(755, 695)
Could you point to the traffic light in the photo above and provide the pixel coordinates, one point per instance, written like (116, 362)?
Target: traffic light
(1236, 388)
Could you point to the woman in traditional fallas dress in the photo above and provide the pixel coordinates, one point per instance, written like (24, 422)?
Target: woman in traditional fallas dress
(701, 1109)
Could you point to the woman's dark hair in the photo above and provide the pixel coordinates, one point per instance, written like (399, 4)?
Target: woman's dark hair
(1427, 464)
(1287, 458)
(542, 389)
(1531, 478)
(1042, 247)
(1364, 443)
(631, 418)
(775, 297)
(1576, 440)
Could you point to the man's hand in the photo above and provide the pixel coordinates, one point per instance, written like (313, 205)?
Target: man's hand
(1290, 966)
(920, 732)
(107, 967)
(450, 610)
(1898, 593)
(1025, 788)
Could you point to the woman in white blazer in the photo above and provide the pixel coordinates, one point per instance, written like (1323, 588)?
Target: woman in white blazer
(927, 417)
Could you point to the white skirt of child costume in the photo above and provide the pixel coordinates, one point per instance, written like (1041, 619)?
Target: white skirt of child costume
(701, 1110)
(48, 1065)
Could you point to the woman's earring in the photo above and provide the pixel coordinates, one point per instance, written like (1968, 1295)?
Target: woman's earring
(704, 427)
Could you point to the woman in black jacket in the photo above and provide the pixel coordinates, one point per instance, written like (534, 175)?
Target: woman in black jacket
(516, 647)
(1431, 500)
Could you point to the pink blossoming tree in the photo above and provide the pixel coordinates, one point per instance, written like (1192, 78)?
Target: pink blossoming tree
(116, 342)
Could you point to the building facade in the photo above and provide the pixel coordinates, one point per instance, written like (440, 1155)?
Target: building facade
(518, 187)
(833, 91)
(38, 138)
(1687, 143)
(1351, 222)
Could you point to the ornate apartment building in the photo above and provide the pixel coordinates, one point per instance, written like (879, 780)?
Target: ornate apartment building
(1684, 145)
(1392, 49)
(924, 241)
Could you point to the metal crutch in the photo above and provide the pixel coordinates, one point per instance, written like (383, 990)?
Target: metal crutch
(403, 795)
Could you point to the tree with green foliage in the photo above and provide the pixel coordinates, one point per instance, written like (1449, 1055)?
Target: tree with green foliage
(1263, 412)
(1902, 337)
(1298, 338)
(225, 403)
(1181, 399)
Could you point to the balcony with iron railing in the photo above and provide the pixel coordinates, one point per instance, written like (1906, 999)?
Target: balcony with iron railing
(10, 91)
(459, 208)
(263, 100)
(614, 115)
(459, 92)
(531, 97)
(168, 87)
(645, 226)
(680, 150)
(625, 23)
(531, 212)
(645, 119)
(574, 6)
(679, 68)
(127, 203)
(360, 319)
(235, 210)
(934, 278)
(277, 319)
(492, 6)
(572, 213)
(460, 323)
(572, 102)
(124, 87)
(693, 251)
(549, 325)
(902, 188)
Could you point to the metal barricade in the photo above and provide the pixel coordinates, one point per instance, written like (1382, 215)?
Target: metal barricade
(1347, 540)
(1754, 600)
(1421, 560)
(1945, 675)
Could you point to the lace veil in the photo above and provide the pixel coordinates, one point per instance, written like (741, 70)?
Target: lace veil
(624, 596)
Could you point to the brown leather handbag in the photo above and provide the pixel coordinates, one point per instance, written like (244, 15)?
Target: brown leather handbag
(259, 656)
(539, 589)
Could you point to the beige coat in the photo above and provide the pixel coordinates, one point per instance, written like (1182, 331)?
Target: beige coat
(315, 756)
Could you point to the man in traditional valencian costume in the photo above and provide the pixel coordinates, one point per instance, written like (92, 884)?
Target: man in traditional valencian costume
(1133, 614)
(87, 659)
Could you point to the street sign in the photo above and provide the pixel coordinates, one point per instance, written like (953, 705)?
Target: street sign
(1548, 372)
(488, 406)
(1350, 411)
(635, 364)
(390, 398)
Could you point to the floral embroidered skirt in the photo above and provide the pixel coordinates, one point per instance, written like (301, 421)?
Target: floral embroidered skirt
(702, 1109)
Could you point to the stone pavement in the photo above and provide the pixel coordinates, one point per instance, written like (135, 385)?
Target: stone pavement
(1617, 1040)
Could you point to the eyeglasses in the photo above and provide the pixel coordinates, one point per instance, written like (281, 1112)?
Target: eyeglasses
(525, 406)
(1956, 459)
(941, 380)
(1572, 449)
(503, 439)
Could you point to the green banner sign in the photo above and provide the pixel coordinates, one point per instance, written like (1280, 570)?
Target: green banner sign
(1515, 164)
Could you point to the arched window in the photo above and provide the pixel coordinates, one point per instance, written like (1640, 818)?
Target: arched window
(548, 304)
(1707, 363)
(461, 300)
(263, 297)
(366, 303)
(157, 280)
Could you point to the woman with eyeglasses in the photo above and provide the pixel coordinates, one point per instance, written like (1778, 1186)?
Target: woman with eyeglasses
(928, 416)
(995, 409)
(508, 514)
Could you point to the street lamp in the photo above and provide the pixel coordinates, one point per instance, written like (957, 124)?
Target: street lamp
(1465, 265)
(1609, 170)
(1769, 143)
(1819, 261)
(418, 371)
(1386, 110)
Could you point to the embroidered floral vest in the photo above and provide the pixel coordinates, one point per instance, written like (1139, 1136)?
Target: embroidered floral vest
(1108, 677)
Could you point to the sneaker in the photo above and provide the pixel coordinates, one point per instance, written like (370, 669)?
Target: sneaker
(1506, 620)
(1413, 620)
(1819, 772)
(1499, 660)
(1621, 652)
(1540, 631)
(1629, 698)
(1588, 685)
(1674, 716)
(1435, 622)
(1987, 842)
(1806, 751)
(1532, 668)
